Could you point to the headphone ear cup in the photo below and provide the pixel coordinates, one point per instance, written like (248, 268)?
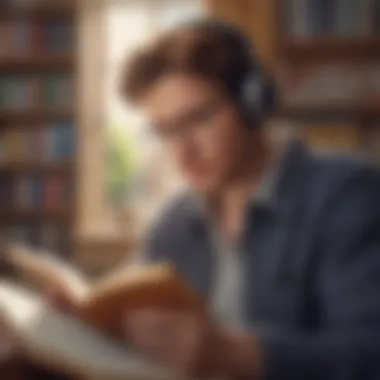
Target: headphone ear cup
(269, 97)
(258, 99)
(251, 99)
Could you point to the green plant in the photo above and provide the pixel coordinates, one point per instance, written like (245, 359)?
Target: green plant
(122, 155)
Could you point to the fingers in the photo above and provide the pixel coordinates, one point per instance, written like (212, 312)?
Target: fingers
(7, 347)
(59, 300)
(169, 337)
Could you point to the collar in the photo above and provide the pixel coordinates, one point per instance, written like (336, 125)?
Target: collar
(279, 180)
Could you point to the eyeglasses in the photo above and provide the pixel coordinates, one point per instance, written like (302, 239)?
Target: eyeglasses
(195, 120)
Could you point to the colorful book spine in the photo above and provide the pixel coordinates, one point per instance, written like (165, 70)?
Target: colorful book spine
(19, 232)
(30, 92)
(340, 18)
(21, 37)
(64, 141)
(50, 237)
(57, 91)
(321, 17)
(58, 36)
(25, 37)
(6, 190)
(299, 19)
(22, 189)
(53, 192)
(376, 16)
(5, 39)
(52, 143)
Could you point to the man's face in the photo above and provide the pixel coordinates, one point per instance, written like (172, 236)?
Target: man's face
(201, 128)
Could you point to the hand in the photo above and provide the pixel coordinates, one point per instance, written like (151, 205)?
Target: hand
(61, 301)
(193, 344)
(7, 344)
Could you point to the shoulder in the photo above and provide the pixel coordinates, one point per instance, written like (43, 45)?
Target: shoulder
(333, 172)
(346, 184)
(170, 228)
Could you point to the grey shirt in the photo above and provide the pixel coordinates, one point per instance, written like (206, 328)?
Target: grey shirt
(228, 292)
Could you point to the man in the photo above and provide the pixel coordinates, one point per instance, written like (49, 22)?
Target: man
(284, 245)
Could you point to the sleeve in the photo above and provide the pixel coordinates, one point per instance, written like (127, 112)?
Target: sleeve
(348, 288)
(157, 240)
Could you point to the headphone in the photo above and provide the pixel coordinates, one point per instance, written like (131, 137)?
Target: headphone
(252, 89)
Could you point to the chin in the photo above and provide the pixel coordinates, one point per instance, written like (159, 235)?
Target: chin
(206, 187)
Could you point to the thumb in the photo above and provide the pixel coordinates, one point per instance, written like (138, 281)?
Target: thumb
(60, 300)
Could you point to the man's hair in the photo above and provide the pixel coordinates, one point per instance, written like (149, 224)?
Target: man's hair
(206, 52)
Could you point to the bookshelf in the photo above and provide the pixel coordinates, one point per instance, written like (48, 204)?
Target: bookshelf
(331, 51)
(300, 40)
(321, 49)
(38, 123)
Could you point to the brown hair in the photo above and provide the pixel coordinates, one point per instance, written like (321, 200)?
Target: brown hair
(206, 52)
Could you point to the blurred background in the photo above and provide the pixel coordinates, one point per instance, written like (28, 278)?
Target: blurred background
(80, 176)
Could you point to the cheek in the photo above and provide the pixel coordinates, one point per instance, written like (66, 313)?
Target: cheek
(226, 142)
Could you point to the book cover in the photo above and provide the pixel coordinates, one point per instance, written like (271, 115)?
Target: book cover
(88, 343)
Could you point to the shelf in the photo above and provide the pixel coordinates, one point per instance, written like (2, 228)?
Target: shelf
(38, 167)
(39, 215)
(40, 62)
(330, 112)
(42, 114)
(51, 9)
(322, 49)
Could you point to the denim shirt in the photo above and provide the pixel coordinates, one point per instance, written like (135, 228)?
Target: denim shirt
(311, 265)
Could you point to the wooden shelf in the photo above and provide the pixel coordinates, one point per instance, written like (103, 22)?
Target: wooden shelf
(40, 62)
(41, 114)
(50, 9)
(322, 49)
(36, 215)
(38, 167)
(330, 112)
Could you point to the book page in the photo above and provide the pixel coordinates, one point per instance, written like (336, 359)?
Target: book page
(65, 343)
(47, 271)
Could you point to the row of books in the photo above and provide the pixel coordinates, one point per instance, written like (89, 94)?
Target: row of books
(340, 18)
(52, 237)
(53, 142)
(22, 37)
(36, 192)
(336, 84)
(30, 92)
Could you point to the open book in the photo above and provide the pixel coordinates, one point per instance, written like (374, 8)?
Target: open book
(87, 343)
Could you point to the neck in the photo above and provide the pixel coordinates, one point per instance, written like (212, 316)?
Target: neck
(229, 205)
(250, 175)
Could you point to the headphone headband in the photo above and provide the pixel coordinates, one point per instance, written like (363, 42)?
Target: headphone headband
(253, 91)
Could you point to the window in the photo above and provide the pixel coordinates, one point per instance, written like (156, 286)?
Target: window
(130, 150)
